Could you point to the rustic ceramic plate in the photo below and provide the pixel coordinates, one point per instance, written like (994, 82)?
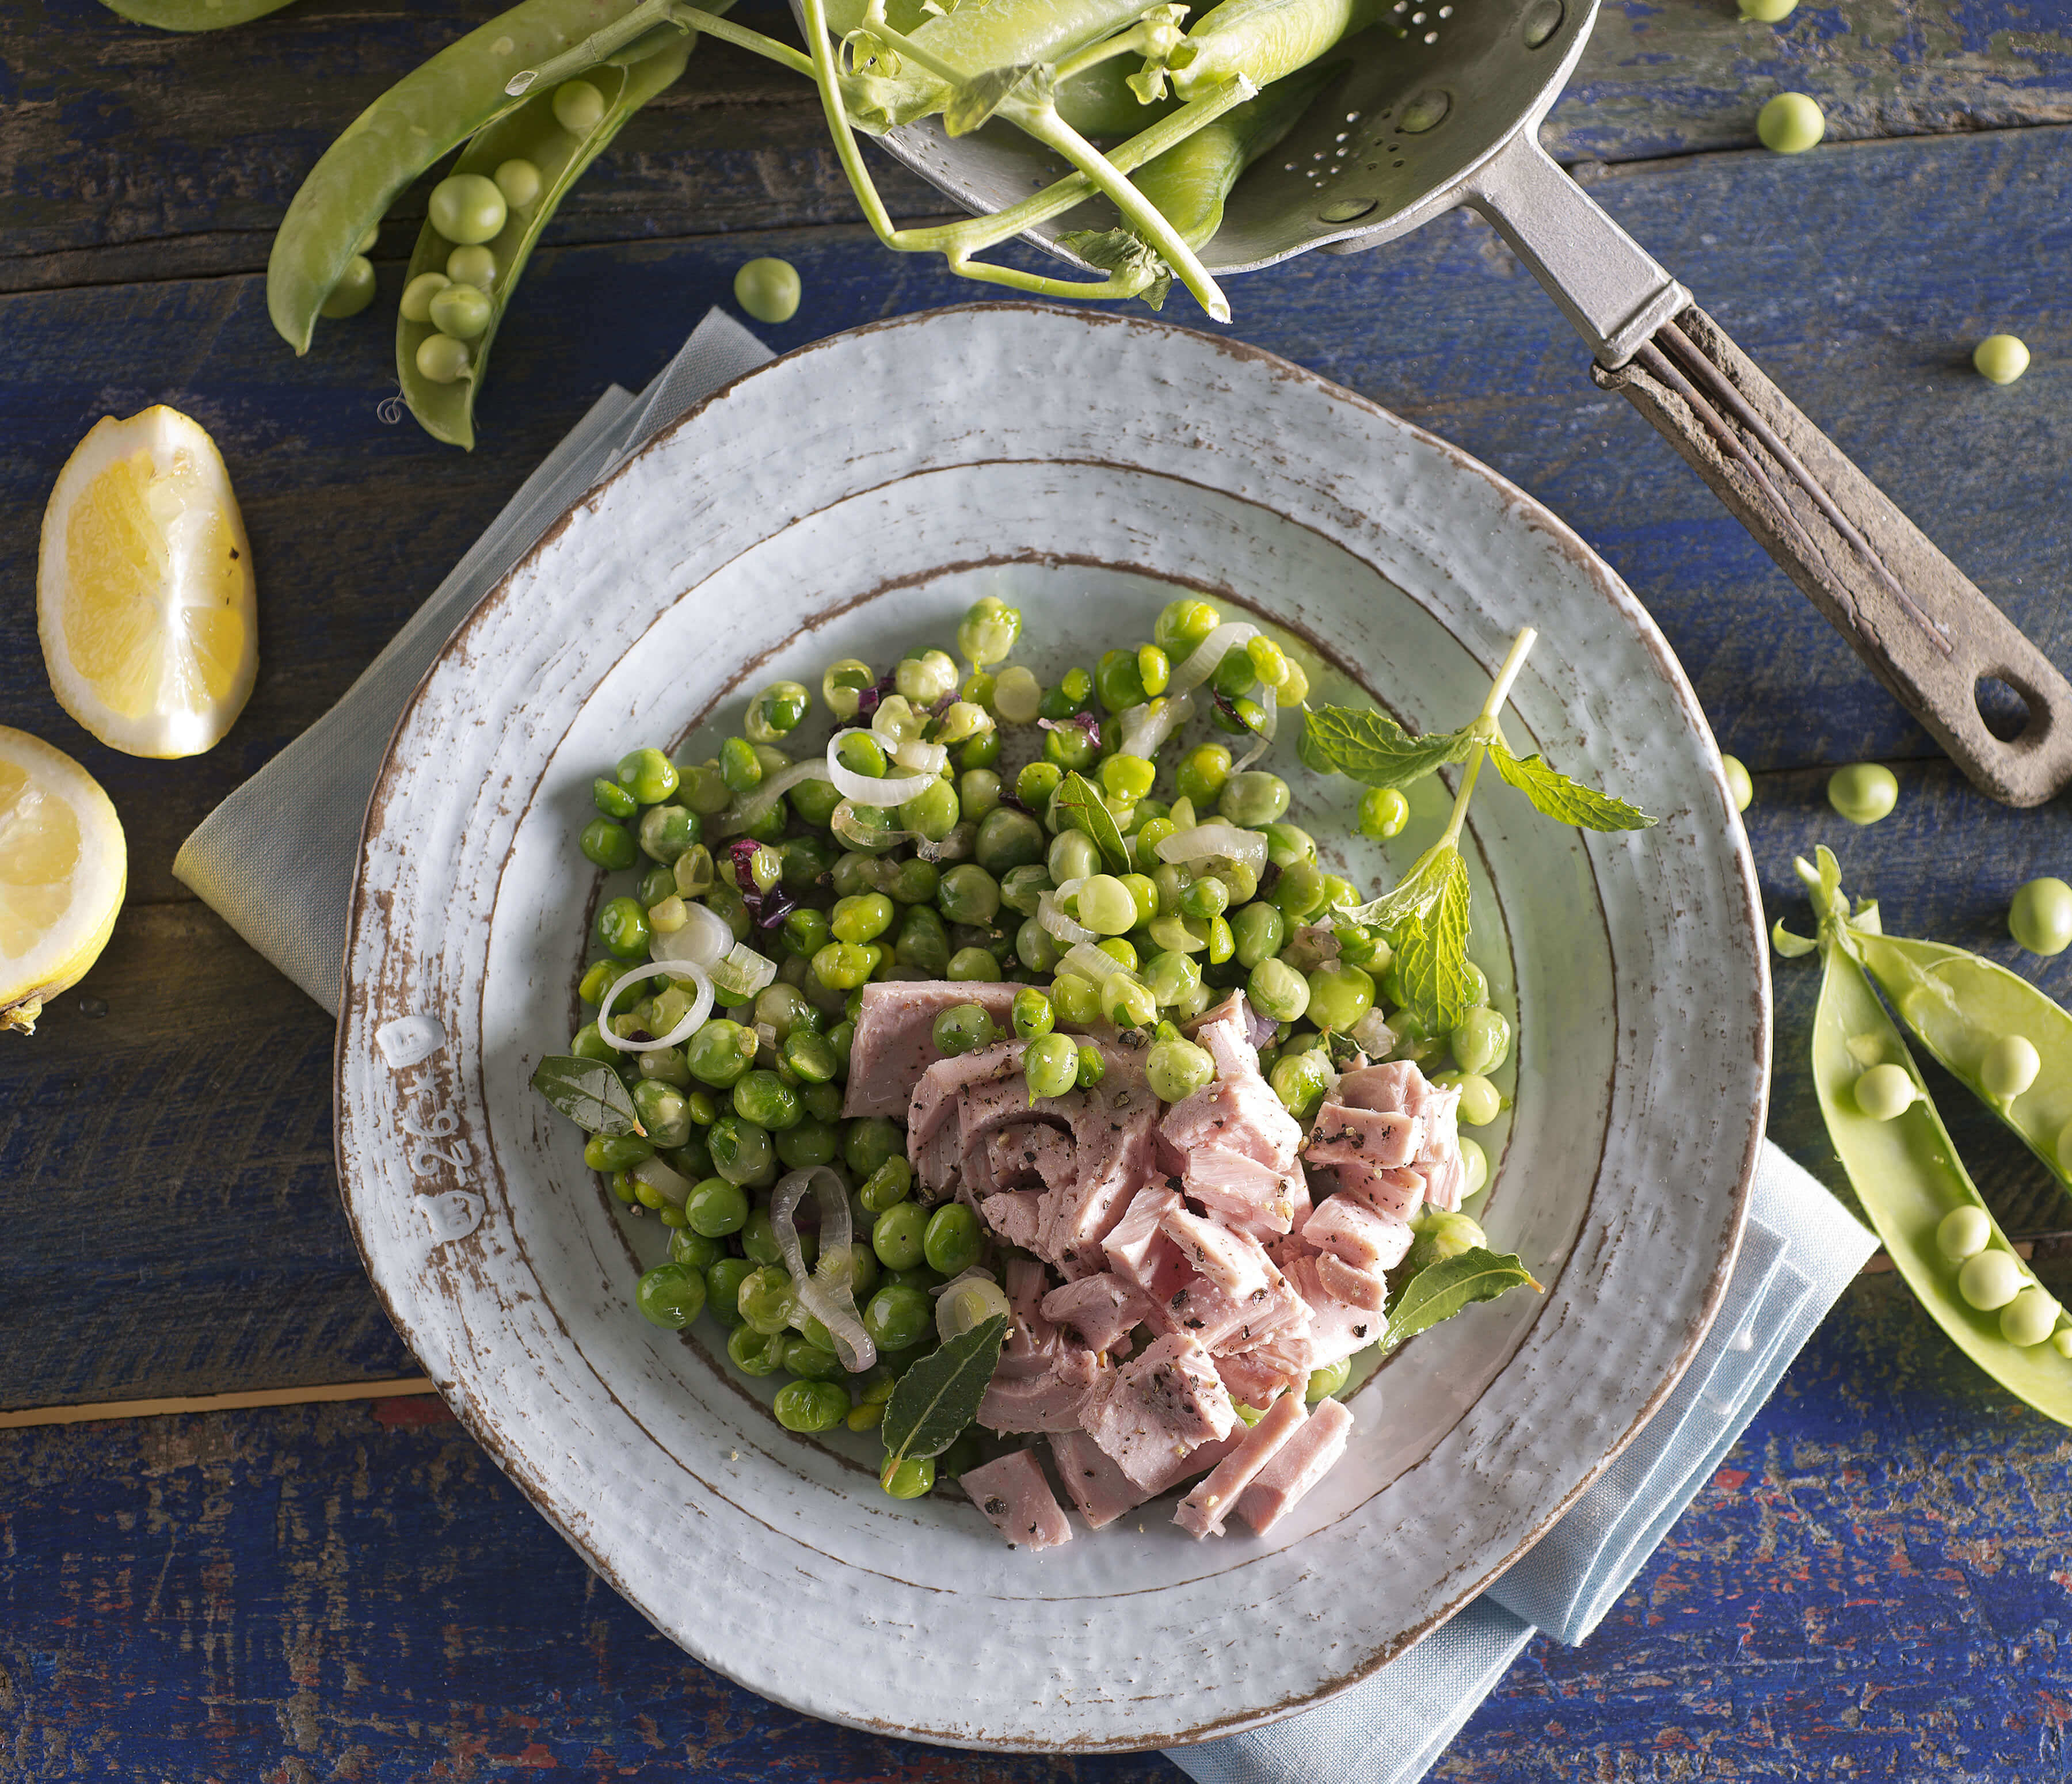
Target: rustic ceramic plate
(852, 498)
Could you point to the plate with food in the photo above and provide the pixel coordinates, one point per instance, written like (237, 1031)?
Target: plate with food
(1052, 1067)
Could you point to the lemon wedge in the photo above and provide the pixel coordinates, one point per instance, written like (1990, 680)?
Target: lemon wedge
(63, 867)
(144, 599)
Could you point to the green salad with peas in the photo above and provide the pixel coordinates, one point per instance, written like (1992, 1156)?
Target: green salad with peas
(1112, 845)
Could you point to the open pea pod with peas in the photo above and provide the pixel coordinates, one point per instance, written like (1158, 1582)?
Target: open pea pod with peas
(1904, 1168)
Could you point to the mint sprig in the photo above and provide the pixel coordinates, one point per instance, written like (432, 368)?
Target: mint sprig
(1373, 748)
(1565, 800)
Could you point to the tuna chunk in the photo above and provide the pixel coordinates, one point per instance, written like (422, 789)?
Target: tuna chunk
(1397, 1194)
(1400, 1089)
(1221, 1322)
(895, 1040)
(1385, 1138)
(1365, 1239)
(1304, 1459)
(936, 1094)
(1014, 1215)
(1254, 1377)
(1043, 1390)
(1035, 1155)
(1225, 1031)
(1017, 1501)
(1138, 1251)
(1234, 1263)
(1242, 1192)
(1353, 1287)
(1240, 1113)
(1112, 1133)
(1162, 1406)
(1338, 1328)
(1098, 1312)
(1103, 1492)
(1203, 1510)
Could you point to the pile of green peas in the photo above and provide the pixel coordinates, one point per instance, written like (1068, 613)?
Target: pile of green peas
(835, 895)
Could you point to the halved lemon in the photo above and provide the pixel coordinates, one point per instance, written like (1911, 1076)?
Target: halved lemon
(63, 867)
(144, 599)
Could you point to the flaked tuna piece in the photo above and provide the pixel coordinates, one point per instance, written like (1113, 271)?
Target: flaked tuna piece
(1243, 1193)
(1138, 1251)
(1034, 1155)
(1384, 1139)
(1338, 1328)
(1223, 1322)
(1013, 1215)
(1112, 1137)
(1048, 1388)
(939, 1164)
(1098, 1312)
(1203, 1510)
(1397, 1195)
(1024, 1282)
(1304, 1460)
(1226, 1031)
(1365, 1239)
(1235, 1262)
(1161, 1407)
(1103, 1492)
(895, 1038)
(936, 1098)
(1254, 1377)
(1400, 1087)
(1017, 1501)
(1241, 1113)
(1354, 1286)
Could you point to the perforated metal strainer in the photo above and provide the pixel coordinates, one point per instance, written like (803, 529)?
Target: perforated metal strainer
(1449, 113)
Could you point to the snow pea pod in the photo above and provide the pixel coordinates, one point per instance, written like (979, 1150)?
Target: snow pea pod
(1905, 1171)
(191, 16)
(1265, 40)
(1958, 1006)
(532, 134)
(429, 111)
(1097, 102)
(1190, 181)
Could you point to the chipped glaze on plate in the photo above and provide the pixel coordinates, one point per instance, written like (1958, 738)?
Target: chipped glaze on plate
(852, 499)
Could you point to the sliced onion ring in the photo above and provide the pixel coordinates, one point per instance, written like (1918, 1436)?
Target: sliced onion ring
(1218, 840)
(742, 972)
(1050, 913)
(1269, 701)
(1083, 960)
(704, 939)
(1202, 662)
(922, 758)
(672, 1185)
(679, 970)
(864, 789)
(993, 1299)
(1141, 729)
(742, 813)
(825, 1292)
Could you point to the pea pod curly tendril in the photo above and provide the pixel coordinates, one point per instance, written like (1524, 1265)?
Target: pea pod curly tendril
(1903, 1166)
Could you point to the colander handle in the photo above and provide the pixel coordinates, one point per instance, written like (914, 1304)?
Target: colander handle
(1922, 626)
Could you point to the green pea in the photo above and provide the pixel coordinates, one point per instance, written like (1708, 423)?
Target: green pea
(1128, 778)
(1441, 1234)
(608, 844)
(1076, 999)
(870, 1141)
(586, 1043)
(2030, 1319)
(1253, 798)
(597, 978)
(1300, 1080)
(758, 1239)
(441, 359)
(1338, 996)
(912, 1479)
(1328, 1380)
(578, 107)
(472, 264)
(2009, 1066)
(1298, 894)
(740, 1150)
(765, 1099)
(616, 1152)
(897, 1317)
(1009, 839)
(1032, 1015)
(1182, 624)
(1204, 899)
(1963, 1233)
(975, 964)
(2002, 358)
(671, 1295)
(932, 813)
(1050, 1065)
(466, 208)
(694, 1251)
(767, 1300)
(1790, 123)
(460, 311)
(667, 831)
(723, 1282)
(354, 291)
(923, 942)
(969, 894)
(1073, 695)
(1481, 1101)
(1885, 1093)
(739, 766)
(1021, 889)
(518, 180)
(978, 793)
(755, 1353)
(1277, 990)
(1990, 1279)
(1172, 978)
(1071, 748)
(1176, 1069)
(1033, 787)
(1864, 792)
(1384, 812)
(1127, 1003)
(663, 1112)
(1093, 1064)
(648, 775)
(656, 884)
(1769, 12)
(1035, 946)
(887, 1186)
(1107, 906)
(1474, 1168)
(846, 966)
(804, 1405)
(814, 1362)
(951, 1243)
(719, 1053)
(863, 918)
(1481, 1041)
(1118, 949)
(988, 629)
(2040, 917)
(1739, 783)
(963, 1028)
(1222, 943)
(809, 1056)
(822, 1102)
(417, 295)
(622, 925)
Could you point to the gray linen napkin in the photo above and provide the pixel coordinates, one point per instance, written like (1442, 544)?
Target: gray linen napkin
(276, 859)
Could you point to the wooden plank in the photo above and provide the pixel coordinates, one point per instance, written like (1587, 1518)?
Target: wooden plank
(173, 1226)
(102, 1411)
(1868, 1587)
(130, 153)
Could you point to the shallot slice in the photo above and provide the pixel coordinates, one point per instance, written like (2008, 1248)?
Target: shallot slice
(1219, 838)
(826, 1291)
(873, 790)
(679, 970)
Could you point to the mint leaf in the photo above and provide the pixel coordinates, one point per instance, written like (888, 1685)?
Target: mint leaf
(1414, 894)
(1076, 805)
(1565, 801)
(1431, 954)
(1441, 1290)
(589, 1092)
(1373, 748)
(938, 1397)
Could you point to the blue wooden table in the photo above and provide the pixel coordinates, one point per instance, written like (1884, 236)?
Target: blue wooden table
(1876, 1584)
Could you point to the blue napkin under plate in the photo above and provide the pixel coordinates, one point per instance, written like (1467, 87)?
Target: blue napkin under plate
(277, 858)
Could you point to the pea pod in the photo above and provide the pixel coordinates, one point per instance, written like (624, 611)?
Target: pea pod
(1905, 1170)
(1191, 180)
(532, 134)
(429, 111)
(1098, 102)
(191, 16)
(1265, 39)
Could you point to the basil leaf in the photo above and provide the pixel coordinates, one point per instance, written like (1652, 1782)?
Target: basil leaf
(1076, 805)
(938, 1397)
(1441, 1290)
(1415, 894)
(1373, 748)
(1431, 954)
(589, 1092)
(1566, 801)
